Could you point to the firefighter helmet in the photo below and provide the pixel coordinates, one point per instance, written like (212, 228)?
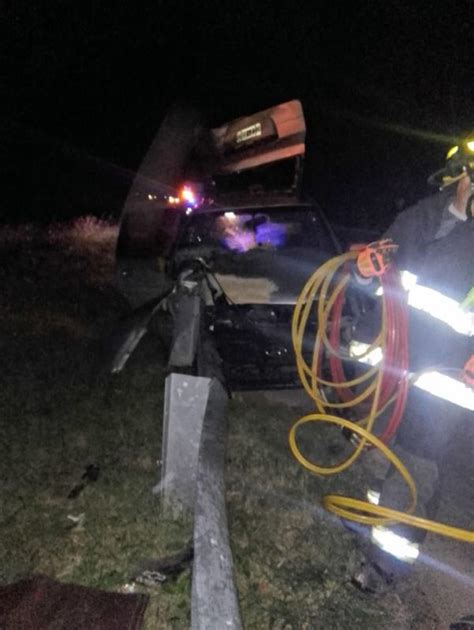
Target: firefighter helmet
(459, 161)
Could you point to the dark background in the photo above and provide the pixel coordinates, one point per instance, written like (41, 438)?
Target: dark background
(385, 88)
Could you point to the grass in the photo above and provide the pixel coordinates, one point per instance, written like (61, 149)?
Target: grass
(293, 560)
(61, 411)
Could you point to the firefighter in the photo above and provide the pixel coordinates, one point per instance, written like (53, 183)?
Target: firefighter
(435, 240)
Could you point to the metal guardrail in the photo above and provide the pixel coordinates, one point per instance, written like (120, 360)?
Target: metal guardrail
(193, 450)
(214, 604)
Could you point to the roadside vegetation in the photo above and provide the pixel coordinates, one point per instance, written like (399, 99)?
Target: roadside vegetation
(61, 411)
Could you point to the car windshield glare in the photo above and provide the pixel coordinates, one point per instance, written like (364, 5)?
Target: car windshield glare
(244, 230)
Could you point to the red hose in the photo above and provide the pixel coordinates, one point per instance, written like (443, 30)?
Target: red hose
(395, 361)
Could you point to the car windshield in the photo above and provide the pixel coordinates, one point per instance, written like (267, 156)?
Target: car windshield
(280, 244)
(258, 228)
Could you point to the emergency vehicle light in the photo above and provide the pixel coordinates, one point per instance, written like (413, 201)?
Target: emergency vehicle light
(187, 195)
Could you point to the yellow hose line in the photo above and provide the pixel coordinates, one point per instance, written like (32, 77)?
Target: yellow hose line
(363, 511)
(321, 278)
(317, 287)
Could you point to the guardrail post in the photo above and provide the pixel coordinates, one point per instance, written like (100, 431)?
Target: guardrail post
(185, 405)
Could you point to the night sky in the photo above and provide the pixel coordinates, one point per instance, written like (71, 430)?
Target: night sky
(384, 87)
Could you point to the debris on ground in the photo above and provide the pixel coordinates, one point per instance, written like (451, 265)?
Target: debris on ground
(155, 572)
(91, 474)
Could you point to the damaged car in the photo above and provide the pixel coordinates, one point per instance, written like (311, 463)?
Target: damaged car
(217, 240)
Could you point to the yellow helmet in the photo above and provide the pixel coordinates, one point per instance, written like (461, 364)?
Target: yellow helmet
(459, 161)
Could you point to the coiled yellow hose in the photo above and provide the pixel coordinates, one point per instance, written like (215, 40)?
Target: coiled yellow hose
(318, 288)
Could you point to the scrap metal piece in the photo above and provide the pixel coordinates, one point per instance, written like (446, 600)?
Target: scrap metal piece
(91, 473)
(153, 572)
(131, 330)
